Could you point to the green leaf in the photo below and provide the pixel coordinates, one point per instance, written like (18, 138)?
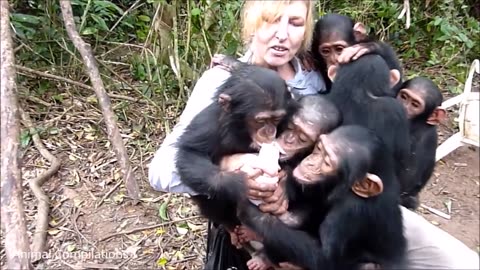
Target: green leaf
(162, 261)
(100, 22)
(196, 12)
(19, 17)
(162, 211)
(144, 18)
(25, 138)
(109, 5)
(89, 31)
(54, 131)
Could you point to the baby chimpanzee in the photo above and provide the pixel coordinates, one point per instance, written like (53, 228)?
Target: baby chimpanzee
(421, 99)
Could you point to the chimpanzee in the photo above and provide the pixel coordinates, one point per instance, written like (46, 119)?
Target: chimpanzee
(334, 32)
(297, 138)
(361, 221)
(245, 112)
(298, 134)
(422, 99)
(358, 91)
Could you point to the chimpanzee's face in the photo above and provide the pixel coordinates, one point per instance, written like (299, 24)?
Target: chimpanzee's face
(262, 126)
(297, 137)
(413, 102)
(320, 164)
(331, 47)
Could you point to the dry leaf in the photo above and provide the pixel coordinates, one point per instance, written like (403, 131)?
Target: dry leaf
(53, 223)
(53, 231)
(147, 251)
(181, 230)
(77, 202)
(69, 193)
(71, 247)
(132, 250)
(124, 224)
(118, 198)
(194, 227)
(90, 137)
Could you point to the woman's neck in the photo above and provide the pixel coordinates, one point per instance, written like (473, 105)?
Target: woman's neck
(285, 71)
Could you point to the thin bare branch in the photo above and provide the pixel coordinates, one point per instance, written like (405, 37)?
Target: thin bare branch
(91, 69)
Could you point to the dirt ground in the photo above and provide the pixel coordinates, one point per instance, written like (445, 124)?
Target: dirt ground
(89, 229)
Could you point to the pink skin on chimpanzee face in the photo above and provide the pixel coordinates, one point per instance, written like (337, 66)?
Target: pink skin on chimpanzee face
(276, 43)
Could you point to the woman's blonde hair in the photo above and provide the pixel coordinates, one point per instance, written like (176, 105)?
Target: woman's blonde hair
(256, 12)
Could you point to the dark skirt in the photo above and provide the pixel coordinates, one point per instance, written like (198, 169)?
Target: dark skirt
(221, 254)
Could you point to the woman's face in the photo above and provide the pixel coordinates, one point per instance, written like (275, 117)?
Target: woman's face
(276, 43)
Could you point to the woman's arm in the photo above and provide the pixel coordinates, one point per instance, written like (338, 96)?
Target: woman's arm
(162, 172)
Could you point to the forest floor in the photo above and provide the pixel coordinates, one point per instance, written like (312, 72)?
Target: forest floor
(87, 231)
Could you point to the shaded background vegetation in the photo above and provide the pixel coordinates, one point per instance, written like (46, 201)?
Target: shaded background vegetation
(154, 50)
(165, 45)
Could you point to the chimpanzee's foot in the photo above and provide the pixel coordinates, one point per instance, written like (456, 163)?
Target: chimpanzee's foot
(258, 262)
(410, 202)
(235, 239)
(246, 235)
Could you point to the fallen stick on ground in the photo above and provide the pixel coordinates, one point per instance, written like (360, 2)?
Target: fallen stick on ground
(436, 212)
(43, 210)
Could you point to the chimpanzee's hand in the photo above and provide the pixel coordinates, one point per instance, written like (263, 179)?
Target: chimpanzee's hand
(352, 53)
(222, 61)
(277, 204)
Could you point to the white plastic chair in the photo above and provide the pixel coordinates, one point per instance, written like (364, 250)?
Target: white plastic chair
(468, 118)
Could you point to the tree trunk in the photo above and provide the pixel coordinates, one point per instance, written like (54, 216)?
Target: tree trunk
(12, 212)
(92, 70)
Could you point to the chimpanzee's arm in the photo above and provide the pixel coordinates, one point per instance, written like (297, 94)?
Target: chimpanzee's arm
(425, 149)
(198, 147)
(281, 243)
(358, 231)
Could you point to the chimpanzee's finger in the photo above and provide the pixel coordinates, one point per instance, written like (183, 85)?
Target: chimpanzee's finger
(259, 195)
(360, 53)
(282, 209)
(263, 187)
(347, 54)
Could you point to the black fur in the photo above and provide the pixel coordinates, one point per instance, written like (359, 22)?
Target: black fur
(424, 142)
(353, 230)
(342, 26)
(215, 133)
(358, 91)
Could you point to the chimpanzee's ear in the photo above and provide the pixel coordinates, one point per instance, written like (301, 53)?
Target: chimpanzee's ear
(359, 31)
(332, 71)
(371, 185)
(224, 101)
(394, 77)
(437, 116)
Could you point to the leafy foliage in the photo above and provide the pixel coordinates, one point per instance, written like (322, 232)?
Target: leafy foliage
(168, 44)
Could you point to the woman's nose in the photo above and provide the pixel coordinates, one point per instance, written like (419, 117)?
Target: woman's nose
(282, 29)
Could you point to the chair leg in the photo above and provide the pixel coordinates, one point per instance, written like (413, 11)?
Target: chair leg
(448, 146)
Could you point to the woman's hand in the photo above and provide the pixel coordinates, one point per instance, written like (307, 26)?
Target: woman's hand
(247, 164)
